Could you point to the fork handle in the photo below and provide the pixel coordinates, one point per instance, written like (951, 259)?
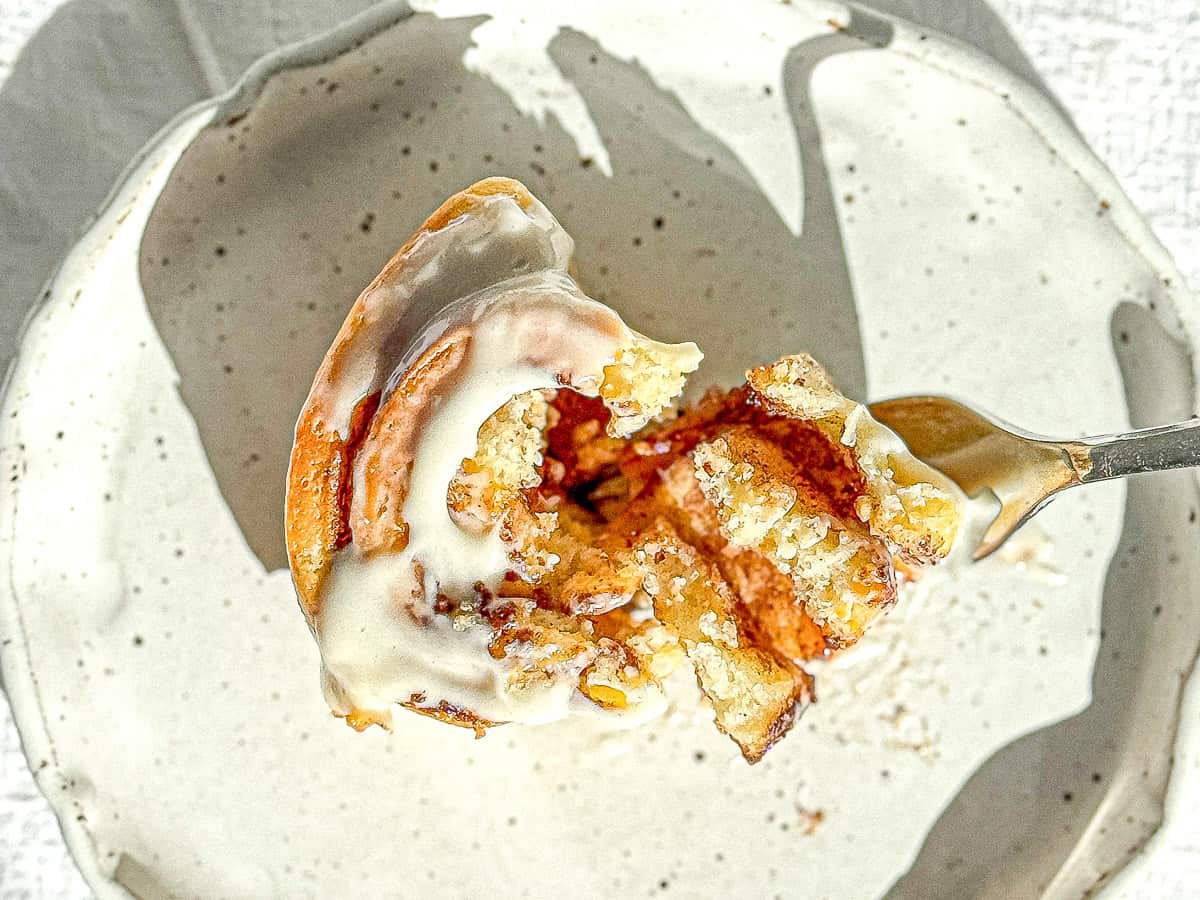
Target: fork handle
(1145, 450)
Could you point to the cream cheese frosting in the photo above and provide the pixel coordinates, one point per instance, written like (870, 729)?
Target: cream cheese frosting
(492, 284)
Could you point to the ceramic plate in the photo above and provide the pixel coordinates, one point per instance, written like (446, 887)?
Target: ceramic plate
(797, 177)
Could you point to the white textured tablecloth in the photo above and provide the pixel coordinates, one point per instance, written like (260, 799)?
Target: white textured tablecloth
(1128, 71)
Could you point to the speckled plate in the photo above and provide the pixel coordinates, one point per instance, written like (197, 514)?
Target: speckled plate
(797, 176)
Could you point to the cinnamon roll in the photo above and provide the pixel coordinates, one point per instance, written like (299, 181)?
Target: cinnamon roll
(497, 513)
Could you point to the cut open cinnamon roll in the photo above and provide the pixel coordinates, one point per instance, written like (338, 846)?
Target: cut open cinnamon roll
(496, 514)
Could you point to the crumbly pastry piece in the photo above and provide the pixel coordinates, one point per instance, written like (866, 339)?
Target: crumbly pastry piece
(907, 503)
(494, 514)
(756, 695)
(841, 574)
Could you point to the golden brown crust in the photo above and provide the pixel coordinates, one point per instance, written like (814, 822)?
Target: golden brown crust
(388, 452)
(362, 719)
(318, 495)
(450, 714)
(319, 477)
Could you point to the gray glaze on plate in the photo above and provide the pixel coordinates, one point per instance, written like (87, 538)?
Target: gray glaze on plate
(952, 233)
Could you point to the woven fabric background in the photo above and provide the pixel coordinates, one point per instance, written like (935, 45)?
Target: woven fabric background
(1127, 71)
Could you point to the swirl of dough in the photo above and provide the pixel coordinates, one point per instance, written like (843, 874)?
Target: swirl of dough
(398, 552)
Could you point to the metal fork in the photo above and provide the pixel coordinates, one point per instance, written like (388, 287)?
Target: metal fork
(1024, 471)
